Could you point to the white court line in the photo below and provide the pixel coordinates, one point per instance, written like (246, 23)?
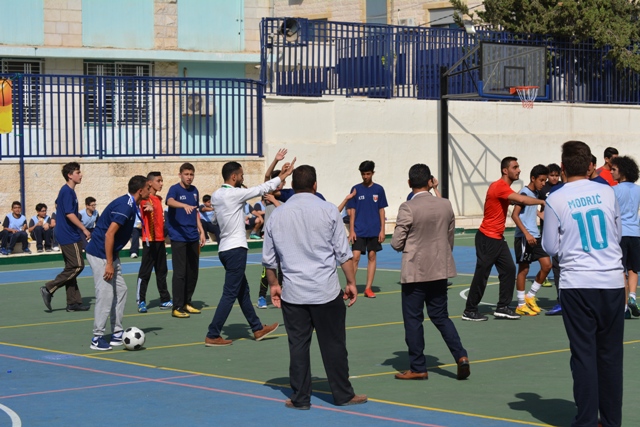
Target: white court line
(15, 419)
(463, 294)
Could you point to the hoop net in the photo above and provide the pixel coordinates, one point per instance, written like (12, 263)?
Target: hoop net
(527, 94)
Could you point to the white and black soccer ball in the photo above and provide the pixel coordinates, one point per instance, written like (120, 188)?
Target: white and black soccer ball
(133, 338)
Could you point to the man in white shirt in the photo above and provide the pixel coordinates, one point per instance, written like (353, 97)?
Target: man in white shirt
(582, 226)
(228, 203)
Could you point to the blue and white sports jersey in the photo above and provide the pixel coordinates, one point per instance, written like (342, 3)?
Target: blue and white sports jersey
(529, 216)
(582, 226)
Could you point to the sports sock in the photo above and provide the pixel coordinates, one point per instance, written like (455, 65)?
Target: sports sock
(534, 289)
(632, 295)
(520, 297)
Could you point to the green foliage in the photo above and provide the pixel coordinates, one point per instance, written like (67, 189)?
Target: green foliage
(613, 23)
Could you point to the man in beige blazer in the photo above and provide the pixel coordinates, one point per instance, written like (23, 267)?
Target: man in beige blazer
(424, 233)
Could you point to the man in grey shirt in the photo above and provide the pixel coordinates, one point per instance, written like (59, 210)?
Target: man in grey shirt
(307, 236)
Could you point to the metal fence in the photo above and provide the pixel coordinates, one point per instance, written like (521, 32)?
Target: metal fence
(301, 57)
(107, 116)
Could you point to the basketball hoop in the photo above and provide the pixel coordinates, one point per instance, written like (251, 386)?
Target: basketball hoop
(527, 94)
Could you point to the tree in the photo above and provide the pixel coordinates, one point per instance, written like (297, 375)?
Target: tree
(613, 23)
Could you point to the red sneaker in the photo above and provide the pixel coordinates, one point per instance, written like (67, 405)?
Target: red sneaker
(369, 293)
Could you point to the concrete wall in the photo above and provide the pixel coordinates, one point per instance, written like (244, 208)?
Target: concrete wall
(336, 134)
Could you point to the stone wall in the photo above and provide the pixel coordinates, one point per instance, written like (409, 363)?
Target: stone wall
(63, 23)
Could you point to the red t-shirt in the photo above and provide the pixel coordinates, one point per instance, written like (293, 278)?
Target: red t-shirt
(153, 230)
(495, 209)
(606, 174)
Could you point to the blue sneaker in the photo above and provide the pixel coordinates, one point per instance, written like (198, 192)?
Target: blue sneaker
(627, 314)
(166, 305)
(116, 339)
(99, 343)
(26, 250)
(554, 311)
(3, 251)
(142, 307)
(633, 307)
(262, 302)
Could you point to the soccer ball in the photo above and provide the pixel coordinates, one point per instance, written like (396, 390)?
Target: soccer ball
(133, 338)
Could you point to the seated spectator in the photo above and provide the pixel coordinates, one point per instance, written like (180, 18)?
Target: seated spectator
(15, 226)
(253, 221)
(40, 229)
(208, 218)
(89, 216)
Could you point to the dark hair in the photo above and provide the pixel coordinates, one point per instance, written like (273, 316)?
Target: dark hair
(275, 173)
(576, 156)
(419, 175)
(609, 152)
(16, 203)
(89, 200)
(594, 160)
(152, 175)
(187, 167)
(69, 168)
(627, 167)
(136, 183)
(504, 164)
(554, 167)
(539, 170)
(367, 166)
(206, 198)
(304, 177)
(40, 206)
(229, 169)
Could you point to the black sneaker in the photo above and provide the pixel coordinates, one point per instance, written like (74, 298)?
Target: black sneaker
(474, 316)
(77, 307)
(46, 297)
(506, 313)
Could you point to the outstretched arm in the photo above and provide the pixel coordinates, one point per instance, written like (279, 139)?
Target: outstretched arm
(346, 199)
(279, 156)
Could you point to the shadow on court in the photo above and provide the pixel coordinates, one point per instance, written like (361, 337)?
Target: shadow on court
(556, 412)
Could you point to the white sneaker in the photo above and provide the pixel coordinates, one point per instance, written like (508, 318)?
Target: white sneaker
(134, 255)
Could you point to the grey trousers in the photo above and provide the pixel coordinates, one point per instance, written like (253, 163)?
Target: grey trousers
(110, 296)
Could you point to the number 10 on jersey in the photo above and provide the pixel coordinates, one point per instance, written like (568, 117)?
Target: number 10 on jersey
(590, 238)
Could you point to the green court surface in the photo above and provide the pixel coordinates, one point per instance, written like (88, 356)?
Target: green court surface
(519, 369)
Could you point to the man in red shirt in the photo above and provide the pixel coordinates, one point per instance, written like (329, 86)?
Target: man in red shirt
(492, 249)
(154, 253)
(604, 171)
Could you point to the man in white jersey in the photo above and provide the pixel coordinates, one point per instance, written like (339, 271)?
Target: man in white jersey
(582, 226)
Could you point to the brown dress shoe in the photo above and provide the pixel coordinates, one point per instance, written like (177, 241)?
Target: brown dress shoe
(216, 342)
(410, 375)
(265, 331)
(289, 404)
(463, 368)
(358, 399)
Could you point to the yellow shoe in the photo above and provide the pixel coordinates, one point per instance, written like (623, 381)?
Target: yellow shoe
(546, 283)
(190, 309)
(532, 304)
(524, 310)
(180, 313)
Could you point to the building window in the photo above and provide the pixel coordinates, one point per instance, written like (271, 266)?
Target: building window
(442, 18)
(117, 95)
(376, 12)
(31, 101)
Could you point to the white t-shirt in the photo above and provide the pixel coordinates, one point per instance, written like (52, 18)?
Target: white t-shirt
(582, 226)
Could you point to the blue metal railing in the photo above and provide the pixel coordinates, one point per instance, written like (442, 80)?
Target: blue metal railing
(106, 116)
(301, 57)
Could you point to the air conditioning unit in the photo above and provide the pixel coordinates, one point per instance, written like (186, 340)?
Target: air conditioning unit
(407, 22)
(197, 104)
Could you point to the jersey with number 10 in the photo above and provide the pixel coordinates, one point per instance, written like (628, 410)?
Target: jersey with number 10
(582, 226)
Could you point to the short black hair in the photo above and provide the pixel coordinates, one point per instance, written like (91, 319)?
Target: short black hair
(89, 200)
(304, 176)
(594, 160)
(609, 152)
(576, 156)
(40, 206)
(627, 167)
(187, 167)
(275, 173)
(136, 183)
(554, 167)
(367, 166)
(419, 175)
(69, 168)
(206, 198)
(16, 203)
(504, 164)
(152, 175)
(229, 169)
(538, 170)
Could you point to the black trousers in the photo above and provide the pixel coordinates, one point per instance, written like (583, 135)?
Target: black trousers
(40, 236)
(594, 320)
(414, 298)
(73, 266)
(135, 241)
(210, 227)
(154, 256)
(490, 252)
(328, 320)
(186, 262)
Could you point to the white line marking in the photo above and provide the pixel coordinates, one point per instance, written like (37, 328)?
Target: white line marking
(15, 419)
